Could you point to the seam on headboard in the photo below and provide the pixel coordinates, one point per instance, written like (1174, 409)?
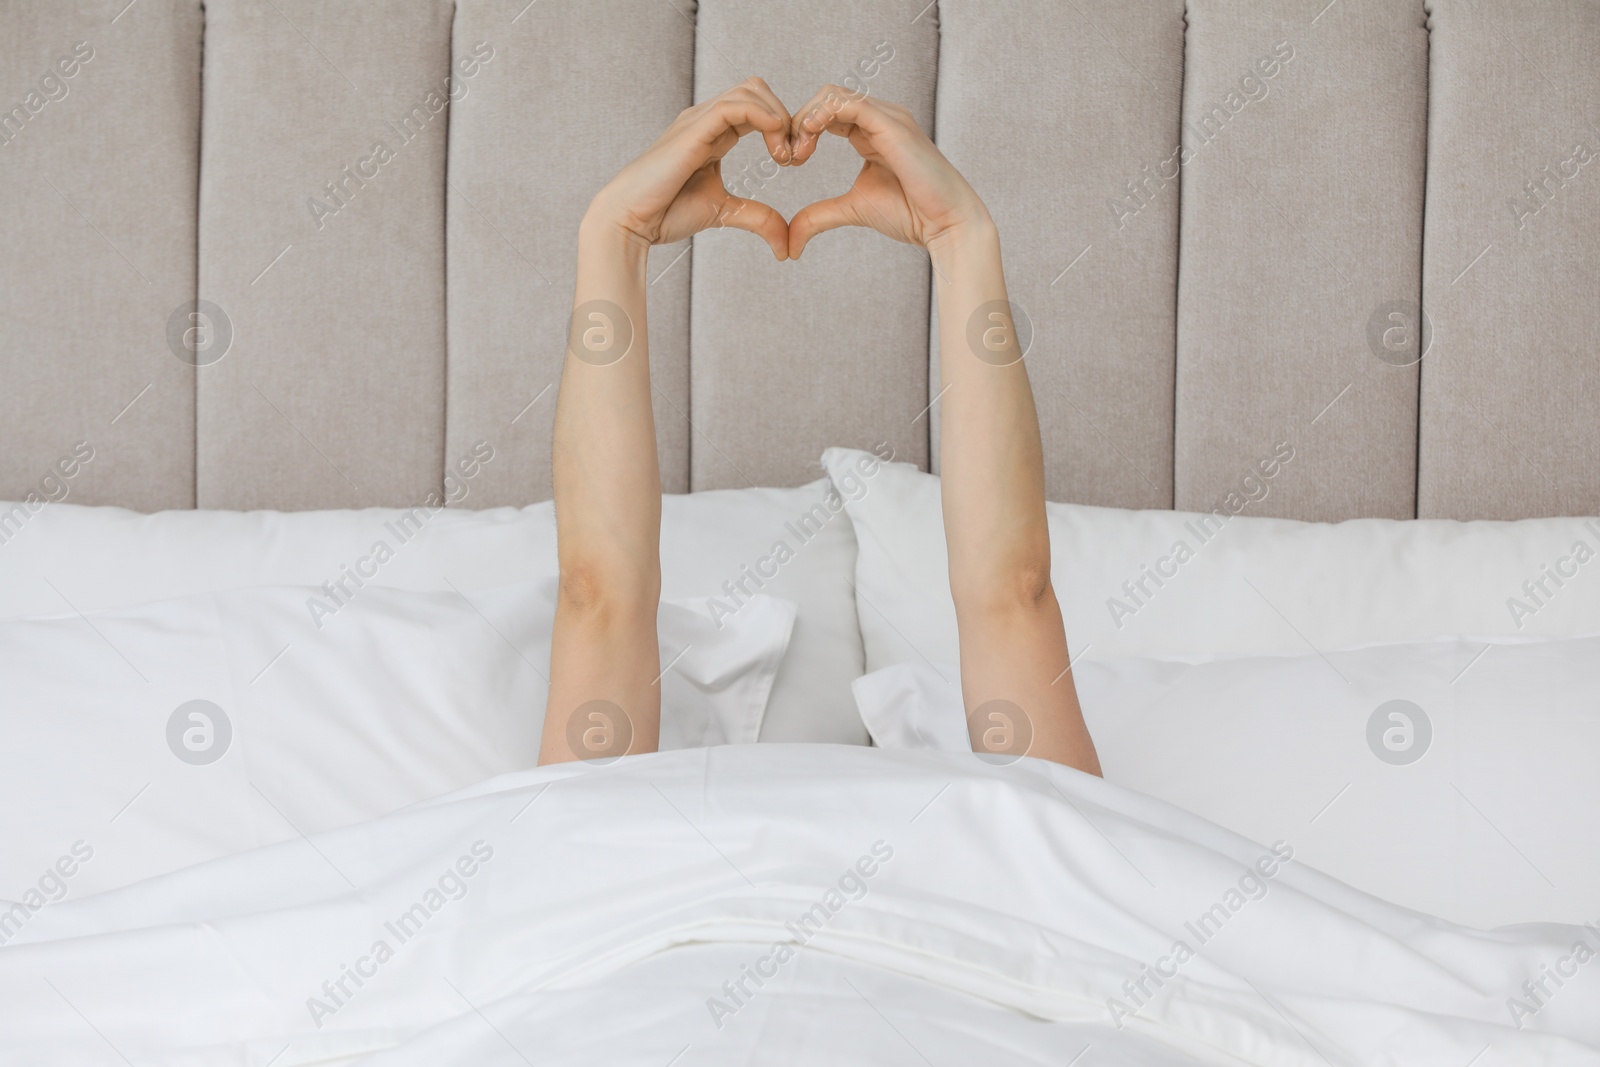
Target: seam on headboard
(1177, 257)
(199, 219)
(1422, 251)
(444, 281)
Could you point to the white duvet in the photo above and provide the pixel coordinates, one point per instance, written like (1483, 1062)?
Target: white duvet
(782, 904)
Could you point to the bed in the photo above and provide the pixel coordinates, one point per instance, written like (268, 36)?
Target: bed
(1313, 294)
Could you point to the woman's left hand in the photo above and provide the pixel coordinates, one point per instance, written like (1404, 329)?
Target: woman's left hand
(906, 190)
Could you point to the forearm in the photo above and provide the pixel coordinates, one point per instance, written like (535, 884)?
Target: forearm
(606, 475)
(1012, 640)
(607, 500)
(990, 458)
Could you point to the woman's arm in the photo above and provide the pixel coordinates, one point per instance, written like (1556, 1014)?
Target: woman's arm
(605, 697)
(1013, 643)
(1014, 661)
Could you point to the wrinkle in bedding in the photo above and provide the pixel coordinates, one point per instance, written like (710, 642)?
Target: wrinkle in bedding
(1019, 906)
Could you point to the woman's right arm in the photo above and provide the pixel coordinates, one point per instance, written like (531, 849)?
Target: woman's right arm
(605, 698)
(1016, 677)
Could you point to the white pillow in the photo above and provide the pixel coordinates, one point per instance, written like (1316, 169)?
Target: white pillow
(100, 557)
(398, 697)
(1254, 586)
(1484, 808)
(914, 705)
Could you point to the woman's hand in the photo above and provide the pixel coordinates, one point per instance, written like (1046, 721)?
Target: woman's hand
(906, 190)
(674, 190)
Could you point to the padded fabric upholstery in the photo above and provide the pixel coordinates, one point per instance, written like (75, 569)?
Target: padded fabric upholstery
(513, 208)
(1511, 389)
(97, 175)
(1302, 214)
(1210, 277)
(789, 358)
(334, 278)
(1094, 266)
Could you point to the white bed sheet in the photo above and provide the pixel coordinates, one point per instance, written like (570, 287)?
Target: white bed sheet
(584, 914)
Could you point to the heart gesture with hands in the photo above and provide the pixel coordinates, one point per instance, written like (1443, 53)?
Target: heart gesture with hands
(605, 664)
(906, 190)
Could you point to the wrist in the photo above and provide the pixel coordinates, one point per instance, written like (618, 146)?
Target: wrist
(605, 229)
(602, 236)
(968, 245)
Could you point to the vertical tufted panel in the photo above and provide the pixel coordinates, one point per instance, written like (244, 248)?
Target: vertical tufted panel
(1187, 326)
(541, 129)
(333, 392)
(1059, 114)
(1511, 389)
(1302, 221)
(99, 126)
(789, 358)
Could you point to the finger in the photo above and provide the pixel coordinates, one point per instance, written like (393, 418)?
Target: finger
(777, 140)
(836, 109)
(740, 112)
(820, 217)
(760, 219)
(778, 146)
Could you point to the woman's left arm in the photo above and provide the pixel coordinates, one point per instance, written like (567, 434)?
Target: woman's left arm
(1015, 669)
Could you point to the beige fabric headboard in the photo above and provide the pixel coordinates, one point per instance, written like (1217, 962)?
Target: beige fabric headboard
(1226, 220)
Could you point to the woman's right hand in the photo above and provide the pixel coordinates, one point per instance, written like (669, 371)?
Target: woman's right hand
(674, 190)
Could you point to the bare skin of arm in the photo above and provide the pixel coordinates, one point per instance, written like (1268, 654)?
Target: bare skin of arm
(1013, 643)
(605, 698)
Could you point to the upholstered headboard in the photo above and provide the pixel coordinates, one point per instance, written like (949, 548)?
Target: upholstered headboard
(1232, 223)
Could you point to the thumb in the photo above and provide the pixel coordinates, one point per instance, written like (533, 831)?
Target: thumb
(760, 219)
(820, 217)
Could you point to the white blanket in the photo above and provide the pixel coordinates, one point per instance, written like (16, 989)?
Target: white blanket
(789, 904)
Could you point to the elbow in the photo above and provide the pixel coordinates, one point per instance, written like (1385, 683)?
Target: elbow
(1019, 587)
(1030, 583)
(601, 594)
